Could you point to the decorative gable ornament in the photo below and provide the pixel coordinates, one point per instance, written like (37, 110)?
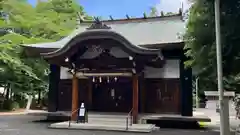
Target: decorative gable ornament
(98, 25)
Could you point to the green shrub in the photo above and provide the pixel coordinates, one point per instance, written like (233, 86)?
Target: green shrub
(7, 105)
(14, 105)
(22, 103)
(10, 105)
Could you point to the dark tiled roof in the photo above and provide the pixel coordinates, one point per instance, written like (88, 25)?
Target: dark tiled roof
(138, 31)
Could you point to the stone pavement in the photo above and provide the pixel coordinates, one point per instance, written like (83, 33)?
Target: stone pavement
(105, 126)
(24, 125)
(210, 111)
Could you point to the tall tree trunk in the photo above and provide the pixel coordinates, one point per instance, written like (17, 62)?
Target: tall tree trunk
(10, 92)
(7, 91)
(6, 100)
(39, 97)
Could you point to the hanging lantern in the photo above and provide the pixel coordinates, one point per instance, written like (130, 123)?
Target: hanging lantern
(100, 79)
(67, 60)
(93, 80)
(113, 93)
(108, 79)
(115, 78)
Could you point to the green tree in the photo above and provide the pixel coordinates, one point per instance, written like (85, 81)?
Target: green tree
(153, 12)
(13, 35)
(162, 13)
(170, 13)
(48, 21)
(200, 42)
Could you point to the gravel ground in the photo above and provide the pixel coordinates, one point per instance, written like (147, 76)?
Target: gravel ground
(27, 125)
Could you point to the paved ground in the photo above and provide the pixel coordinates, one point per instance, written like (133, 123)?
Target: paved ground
(19, 111)
(210, 111)
(24, 125)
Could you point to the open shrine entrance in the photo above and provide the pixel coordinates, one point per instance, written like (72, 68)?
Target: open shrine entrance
(112, 94)
(100, 94)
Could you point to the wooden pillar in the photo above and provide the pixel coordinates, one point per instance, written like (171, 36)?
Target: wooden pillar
(142, 94)
(89, 94)
(177, 97)
(54, 78)
(135, 99)
(186, 88)
(75, 105)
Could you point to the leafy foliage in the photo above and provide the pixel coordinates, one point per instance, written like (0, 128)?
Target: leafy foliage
(48, 21)
(153, 12)
(200, 42)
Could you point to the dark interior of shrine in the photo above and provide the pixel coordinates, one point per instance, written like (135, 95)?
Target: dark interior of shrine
(112, 94)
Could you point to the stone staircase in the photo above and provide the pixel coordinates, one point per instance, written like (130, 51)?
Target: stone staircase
(106, 122)
(103, 118)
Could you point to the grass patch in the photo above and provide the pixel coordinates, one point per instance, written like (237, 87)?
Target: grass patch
(203, 124)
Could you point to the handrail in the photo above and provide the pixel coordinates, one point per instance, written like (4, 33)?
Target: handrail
(69, 124)
(127, 118)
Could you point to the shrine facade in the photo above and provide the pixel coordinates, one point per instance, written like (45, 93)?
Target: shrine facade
(127, 65)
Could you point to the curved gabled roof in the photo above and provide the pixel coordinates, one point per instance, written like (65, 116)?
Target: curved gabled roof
(139, 32)
(102, 34)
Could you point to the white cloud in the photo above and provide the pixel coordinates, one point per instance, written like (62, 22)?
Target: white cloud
(172, 5)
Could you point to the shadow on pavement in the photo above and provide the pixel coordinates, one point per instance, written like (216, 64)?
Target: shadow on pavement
(46, 121)
(177, 124)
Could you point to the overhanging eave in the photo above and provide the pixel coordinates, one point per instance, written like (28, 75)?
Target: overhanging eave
(101, 34)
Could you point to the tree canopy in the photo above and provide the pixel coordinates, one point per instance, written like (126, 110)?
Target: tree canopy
(201, 46)
(154, 12)
(21, 23)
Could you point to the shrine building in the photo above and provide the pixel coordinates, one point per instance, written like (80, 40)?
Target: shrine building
(131, 65)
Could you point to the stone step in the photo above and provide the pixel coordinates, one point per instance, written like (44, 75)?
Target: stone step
(113, 121)
(107, 116)
(144, 128)
(107, 120)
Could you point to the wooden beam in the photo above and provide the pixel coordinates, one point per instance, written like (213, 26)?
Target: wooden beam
(89, 93)
(75, 105)
(81, 74)
(101, 63)
(135, 99)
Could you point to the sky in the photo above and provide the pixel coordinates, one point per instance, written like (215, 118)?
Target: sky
(120, 8)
